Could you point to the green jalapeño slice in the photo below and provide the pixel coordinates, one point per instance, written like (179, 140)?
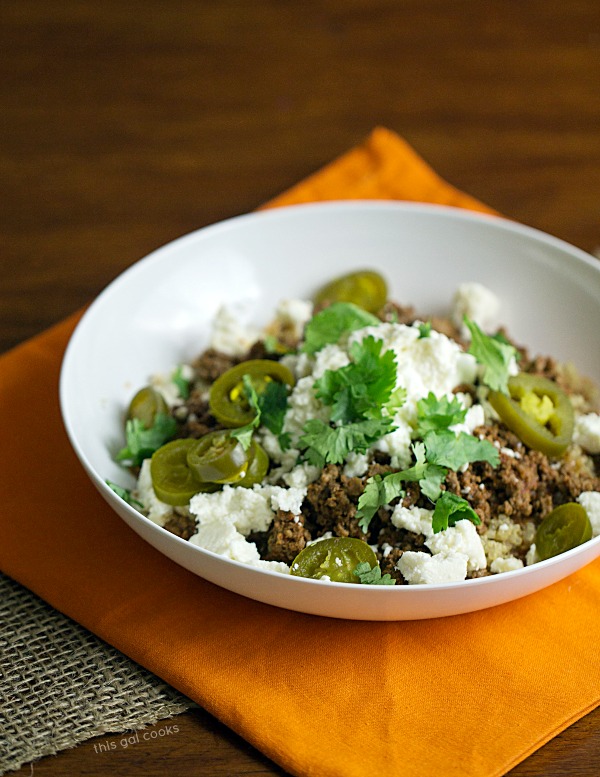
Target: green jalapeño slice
(228, 398)
(146, 405)
(365, 288)
(538, 412)
(335, 558)
(172, 479)
(258, 465)
(217, 458)
(566, 527)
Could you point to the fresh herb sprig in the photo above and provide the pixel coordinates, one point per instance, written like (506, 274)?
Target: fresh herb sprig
(328, 325)
(362, 396)
(141, 441)
(439, 451)
(494, 354)
(125, 494)
(270, 407)
(183, 384)
(372, 575)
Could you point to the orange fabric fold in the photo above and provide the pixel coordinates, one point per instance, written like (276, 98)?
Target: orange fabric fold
(467, 695)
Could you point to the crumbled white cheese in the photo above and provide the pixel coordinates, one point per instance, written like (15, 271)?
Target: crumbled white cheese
(229, 335)
(302, 406)
(587, 432)
(287, 499)
(531, 557)
(508, 564)
(221, 536)
(157, 511)
(300, 364)
(330, 357)
(417, 568)
(414, 519)
(247, 509)
(477, 303)
(291, 315)
(474, 417)
(397, 445)
(590, 501)
(424, 364)
(301, 476)
(287, 459)
(460, 539)
(356, 465)
(167, 387)
(226, 517)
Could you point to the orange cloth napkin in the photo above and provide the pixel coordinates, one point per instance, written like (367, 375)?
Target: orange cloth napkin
(467, 695)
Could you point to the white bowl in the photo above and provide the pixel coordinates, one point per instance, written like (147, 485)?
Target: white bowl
(157, 314)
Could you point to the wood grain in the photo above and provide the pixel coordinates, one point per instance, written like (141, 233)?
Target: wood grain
(125, 125)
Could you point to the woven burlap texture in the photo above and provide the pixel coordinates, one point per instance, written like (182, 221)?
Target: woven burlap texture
(60, 685)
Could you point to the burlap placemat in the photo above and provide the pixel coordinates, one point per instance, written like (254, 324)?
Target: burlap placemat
(60, 685)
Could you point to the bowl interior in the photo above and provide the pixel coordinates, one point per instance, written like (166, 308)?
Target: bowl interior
(158, 313)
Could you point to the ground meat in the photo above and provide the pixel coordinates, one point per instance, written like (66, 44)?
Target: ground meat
(259, 351)
(211, 364)
(286, 537)
(377, 467)
(446, 327)
(331, 502)
(525, 485)
(397, 314)
(195, 416)
(181, 525)
(545, 366)
(388, 564)
(401, 539)
(413, 496)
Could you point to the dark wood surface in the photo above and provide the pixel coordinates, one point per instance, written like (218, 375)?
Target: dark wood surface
(124, 125)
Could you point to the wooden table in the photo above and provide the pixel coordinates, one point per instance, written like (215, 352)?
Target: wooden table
(125, 125)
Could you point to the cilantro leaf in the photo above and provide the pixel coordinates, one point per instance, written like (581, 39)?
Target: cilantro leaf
(141, 442)
(326, 444)
(332, 322)
(183, 384)
(378, 491)
(493, 354)
(429, 475)
(357, 394)
(285, 440)
(396, 400)
(270, 407)
(244, 433)
(434, 413)
(451, 508)
(424, 329)
(439, 451)
(455, 450)
(273, 404)
(361, 388)
(372, 576)
(125, 494)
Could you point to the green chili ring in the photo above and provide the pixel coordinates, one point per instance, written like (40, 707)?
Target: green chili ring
(552, 437)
